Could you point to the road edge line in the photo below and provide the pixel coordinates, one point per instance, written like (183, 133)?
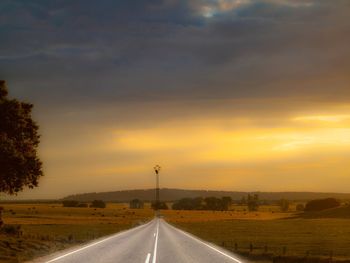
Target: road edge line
(206, 244)
(96, 243)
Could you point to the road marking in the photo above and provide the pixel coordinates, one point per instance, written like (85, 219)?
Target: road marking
(156, 244)
(148, 257)
(209, 246)
(98, 242)
(154, 234)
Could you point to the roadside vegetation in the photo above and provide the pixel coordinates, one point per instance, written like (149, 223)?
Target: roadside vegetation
(278, 233)
(34, 230)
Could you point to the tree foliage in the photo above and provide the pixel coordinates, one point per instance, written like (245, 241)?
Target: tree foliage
(208, 203)
(321, 204)
(159, 206)
(284, 205)
(98, 204)
(19, 164)
(253, 202)
(300, 207)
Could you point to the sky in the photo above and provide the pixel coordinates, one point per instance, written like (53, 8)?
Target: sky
(246, 95)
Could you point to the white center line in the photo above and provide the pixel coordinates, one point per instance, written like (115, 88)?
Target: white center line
(156, 244)
(148, 257)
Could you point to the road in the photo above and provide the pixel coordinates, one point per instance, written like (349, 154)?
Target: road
(154, 242)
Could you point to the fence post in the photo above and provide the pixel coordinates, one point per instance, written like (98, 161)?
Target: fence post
(284, 250)
(251, 248)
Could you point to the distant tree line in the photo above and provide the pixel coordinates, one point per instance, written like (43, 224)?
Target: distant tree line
(159, 206)
(199, 203)
(74, 203)
(321, 204)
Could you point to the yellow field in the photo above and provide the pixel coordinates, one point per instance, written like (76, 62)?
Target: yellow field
(270, 232)
(46, 228)
(26, 214)
(238, 212)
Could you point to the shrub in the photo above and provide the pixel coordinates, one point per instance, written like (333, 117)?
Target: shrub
(70, 203)
(189, 204)
(159, 205)
(253, 202)
(321, 204)
(11, 230)
(300, 207)
(98, 204)
(209, 203)
(284, 205)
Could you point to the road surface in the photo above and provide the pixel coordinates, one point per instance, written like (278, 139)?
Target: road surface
(154, 242)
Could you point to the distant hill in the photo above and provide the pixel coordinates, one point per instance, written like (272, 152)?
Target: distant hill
(176, 194)
(338, 212)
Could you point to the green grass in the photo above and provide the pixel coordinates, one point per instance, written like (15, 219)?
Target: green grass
(299, 236)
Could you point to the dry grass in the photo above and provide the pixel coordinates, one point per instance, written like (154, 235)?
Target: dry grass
(46, 228)
(49, 227)
(275, 232)
(236, 212)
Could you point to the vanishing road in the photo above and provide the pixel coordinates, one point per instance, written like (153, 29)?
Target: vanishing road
(156, 241)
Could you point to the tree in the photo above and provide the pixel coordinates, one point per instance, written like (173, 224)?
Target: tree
(70, 203)
(243, 201)
(321, 204)
(299, 207)
(20, 166)
(189, 204)
(284, 204)
(159, 206)
(136, 204)
(98, 204)
(253, 202)
(213, 203)
(226, 202)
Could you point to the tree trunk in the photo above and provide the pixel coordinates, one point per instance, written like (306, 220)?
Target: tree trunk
(1, 222)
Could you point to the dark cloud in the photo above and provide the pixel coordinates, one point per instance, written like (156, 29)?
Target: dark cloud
(145, 50)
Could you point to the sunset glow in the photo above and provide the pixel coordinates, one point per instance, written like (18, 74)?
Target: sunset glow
(223, 94)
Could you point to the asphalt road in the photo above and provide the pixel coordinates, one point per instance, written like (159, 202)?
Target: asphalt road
(156, 241)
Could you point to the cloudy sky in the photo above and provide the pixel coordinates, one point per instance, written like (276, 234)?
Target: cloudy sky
(223, 94)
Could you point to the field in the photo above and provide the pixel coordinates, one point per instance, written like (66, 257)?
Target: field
(45, 228)
(269, 232)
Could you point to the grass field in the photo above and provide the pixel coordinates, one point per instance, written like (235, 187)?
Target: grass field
(269, 233)
(46, 228)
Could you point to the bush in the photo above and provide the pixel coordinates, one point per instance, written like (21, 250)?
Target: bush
(70, 203)
(321, 204)
(209, 203)
(284, 205)
(189, 204)
(159, 206)
(98, 204)
(300, 207)
(253, 202)
(14, 230)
